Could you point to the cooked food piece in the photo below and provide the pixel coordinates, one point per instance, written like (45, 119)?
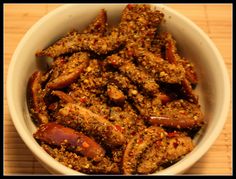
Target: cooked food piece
(139, 24)
(143, 104)
(126, 120)
(56, 134)
(138, 145)
(82, 164)
(62, 46)
(84, 97)
(178, 114)
(164, 98)
(162, 70)
(115, 95)
(95, 125)
(117, 156)
(93, 79)
(176, 91)
(116, 99)
(138, 76)
(153, 157)
(188, 91)
(35, 101)
(170, 49)
(114, 60)
(73, 41)
(101, 109)
(63, 96)
(190, 73)
(123, 83)
(90, 97)
(152, 148)
(178, 145)
(45, 77)
(83, 42)
(98, 25)
(172, 56)
(71, 71)
(57, 67)
(147, 106)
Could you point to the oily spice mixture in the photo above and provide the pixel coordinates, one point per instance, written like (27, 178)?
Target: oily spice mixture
(116, 100)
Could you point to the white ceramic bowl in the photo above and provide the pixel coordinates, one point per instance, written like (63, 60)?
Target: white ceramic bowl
(193, 43)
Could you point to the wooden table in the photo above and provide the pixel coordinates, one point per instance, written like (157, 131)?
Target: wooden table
(215, 20)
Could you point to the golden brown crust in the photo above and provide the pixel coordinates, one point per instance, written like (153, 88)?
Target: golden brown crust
(115, 95)
(178, 146)
(35, 101)
(63, 96)
(138, 145)
(152, 158)
(56, 134)
(149, 150)
(82, 164)
(139, 77)
(126, 120)
(83, 42)
(92, 123)
(139, 24)
(188, 91)
(71, 71)
(143, 104)
(173, 57)
(126, 88)
(98, 25)
(178, 114)
(190, 73)
(161, 69)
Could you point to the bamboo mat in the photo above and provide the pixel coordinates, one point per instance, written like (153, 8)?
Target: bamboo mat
(215, 20)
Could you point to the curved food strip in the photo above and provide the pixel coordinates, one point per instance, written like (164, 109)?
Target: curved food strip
(71, 71)
(149, 150)
(91, 123)
(55, 134)
(178, 114)
(36, 104)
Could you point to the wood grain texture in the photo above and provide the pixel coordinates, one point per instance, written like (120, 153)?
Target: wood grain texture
(214, 19)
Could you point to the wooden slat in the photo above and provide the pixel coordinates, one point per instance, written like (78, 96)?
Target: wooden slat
(215, 20)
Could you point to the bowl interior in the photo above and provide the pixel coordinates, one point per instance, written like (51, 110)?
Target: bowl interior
(213, 87)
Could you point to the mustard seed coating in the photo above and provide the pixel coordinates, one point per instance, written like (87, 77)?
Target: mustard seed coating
(98, 25)
(56, 134)
(116, 100)
(136, 75)
(82, 164)
(161, 69)
(71, 71)
(139, 24)
(83, 42)
(35, 95)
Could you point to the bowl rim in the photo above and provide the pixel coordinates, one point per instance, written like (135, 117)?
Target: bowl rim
(57, 166)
